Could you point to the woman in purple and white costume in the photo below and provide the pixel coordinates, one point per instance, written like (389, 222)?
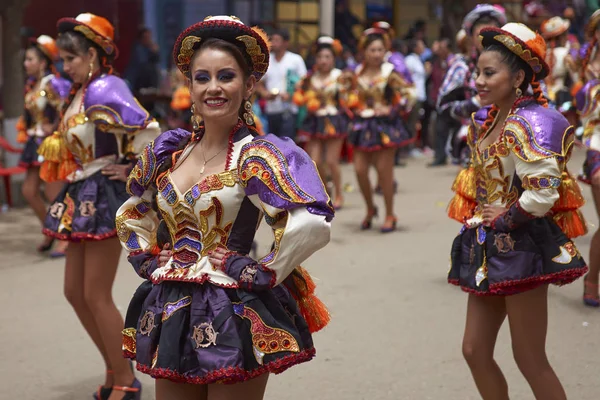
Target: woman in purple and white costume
(209, 315)
(102, 128)
(512, 247)
(45, 93)
(588, 107)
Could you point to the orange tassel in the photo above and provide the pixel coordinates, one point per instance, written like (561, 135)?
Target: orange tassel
(312, 309)
(66, 168)
(49, 171)
(461, 208)
(298, 99)
(570, 194)
(22, 136)
(464, 184)
(572, 223)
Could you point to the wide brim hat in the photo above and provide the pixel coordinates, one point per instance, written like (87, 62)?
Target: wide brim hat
(480, 11)
(554, 27)
(253, 42)
(387, 42)
(592, 25)
(530, 46)
(46, 45)
(95, 28)
(386, 26)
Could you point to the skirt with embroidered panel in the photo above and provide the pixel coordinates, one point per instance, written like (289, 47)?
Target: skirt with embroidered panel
(488, 262)
(378, 133)
(203, 333)
(86, 209)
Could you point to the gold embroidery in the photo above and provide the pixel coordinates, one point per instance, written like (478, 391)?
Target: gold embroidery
(147, 323)
(504, 243)
(204, 335)
(186, 52)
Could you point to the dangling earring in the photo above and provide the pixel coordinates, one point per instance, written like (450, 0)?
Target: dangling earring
(519, 92)
(248, 113)
(91, 70)
(195, 119)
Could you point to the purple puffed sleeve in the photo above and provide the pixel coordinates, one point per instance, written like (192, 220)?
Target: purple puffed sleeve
(61, 86)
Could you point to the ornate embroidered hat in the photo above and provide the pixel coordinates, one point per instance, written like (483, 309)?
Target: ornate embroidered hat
(328, 41)
(93, 27)
(480, 11)
(375, 31)
(525, 43)
(386, 26)
(47, 45)
(253, 42)
(554, 27)
(592, 25)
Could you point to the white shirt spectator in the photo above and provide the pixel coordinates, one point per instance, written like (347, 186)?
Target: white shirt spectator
(276, 78)
(417, 71)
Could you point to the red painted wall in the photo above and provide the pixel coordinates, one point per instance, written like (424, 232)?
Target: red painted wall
(126, 15)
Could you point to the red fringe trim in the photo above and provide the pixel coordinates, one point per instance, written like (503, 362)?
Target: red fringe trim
(78, 236)
(229, 375)
(508, 288)
(201, 280)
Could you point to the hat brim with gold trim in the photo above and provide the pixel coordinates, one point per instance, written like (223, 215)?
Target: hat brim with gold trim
(592, 25)
(522, 41)
(554, 27)
(95, 28)
(253, 42)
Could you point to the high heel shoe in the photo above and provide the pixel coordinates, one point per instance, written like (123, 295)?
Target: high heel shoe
(133, 392)
(368, 221)
(103, 393)
(390, 228)
(44, 247)
(591, 300)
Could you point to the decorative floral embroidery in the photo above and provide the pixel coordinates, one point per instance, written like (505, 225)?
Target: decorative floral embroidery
(186, 52)
(87, 208)
(521, 138)
(147, 323)
(204, 335)
(248, 273)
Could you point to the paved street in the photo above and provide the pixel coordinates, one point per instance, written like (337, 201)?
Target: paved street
(396, 328)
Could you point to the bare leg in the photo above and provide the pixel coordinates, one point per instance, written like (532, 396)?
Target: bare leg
(32, 192)
(485, 316)
(362, 162)
(51, 190)
(594, 260)
(332, 158)
(385, 170)
(315, 150)
(253, 389)
(528, 320)
(74, 292)
(101, 261)
(167, 390)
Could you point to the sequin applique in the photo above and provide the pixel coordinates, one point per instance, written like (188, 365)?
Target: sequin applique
(481, 275)
(266, 340)
(541, 182)
(204, 335)
(568, 251)
(170, 308)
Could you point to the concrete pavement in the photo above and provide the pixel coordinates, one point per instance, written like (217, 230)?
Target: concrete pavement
(396, 329)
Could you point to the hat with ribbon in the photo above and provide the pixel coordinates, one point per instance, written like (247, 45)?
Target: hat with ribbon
(481, 11)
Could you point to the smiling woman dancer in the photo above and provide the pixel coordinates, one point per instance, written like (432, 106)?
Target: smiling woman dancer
(101, 129)
(45, 92)
(210, 322)
(511, 248)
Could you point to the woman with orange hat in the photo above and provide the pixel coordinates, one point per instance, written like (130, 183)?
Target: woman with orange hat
(382, 97)
(322, 91)
(210, 322)
(562, 67)
(517, 233)
(589, 112)
(102, 129)
(45, 92)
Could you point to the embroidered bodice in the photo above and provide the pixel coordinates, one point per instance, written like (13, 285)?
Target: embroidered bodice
(265, 175)
(326, 90)
(372, 92)
(43, 104)
(525, 164)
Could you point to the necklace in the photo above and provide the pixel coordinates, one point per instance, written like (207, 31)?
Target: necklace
(210, 159)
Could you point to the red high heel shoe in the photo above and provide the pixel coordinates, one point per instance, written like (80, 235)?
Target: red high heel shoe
(133, 392)
(103, 393)
(368, 221)
(591, 300)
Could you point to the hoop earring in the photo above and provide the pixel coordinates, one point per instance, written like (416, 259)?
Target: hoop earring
(195, 119)
(248, 118)
(519, 92)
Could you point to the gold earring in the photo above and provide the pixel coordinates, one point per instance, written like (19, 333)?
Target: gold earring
(519, 92)
(195, 119)
(248, 114)
(91, 70)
